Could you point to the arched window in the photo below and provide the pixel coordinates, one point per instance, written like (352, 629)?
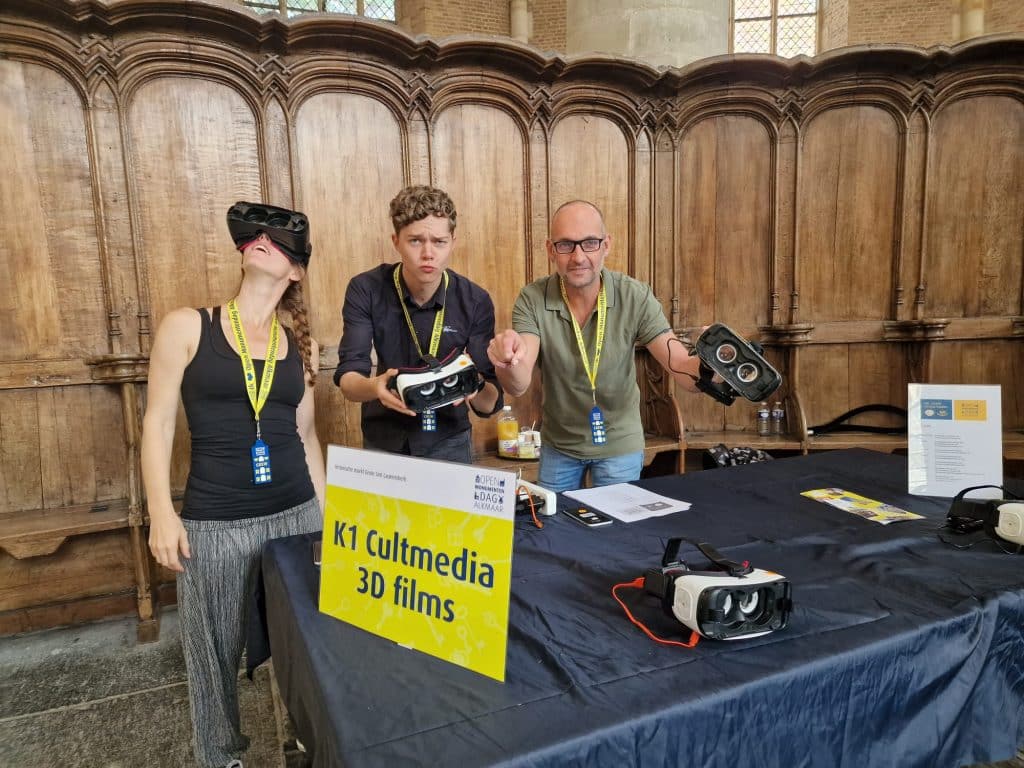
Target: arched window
(371, 9)
(782, 27)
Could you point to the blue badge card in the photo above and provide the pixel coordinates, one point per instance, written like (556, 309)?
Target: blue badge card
(428, 421)
(260, 463)
(597, 428)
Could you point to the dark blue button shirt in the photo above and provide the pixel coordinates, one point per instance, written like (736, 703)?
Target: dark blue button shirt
(373, 318)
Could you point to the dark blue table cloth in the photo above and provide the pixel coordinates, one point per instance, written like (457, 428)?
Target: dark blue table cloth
(900, 651)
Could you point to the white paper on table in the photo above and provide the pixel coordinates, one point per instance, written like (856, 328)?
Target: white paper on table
(954, 438)
(627, 502)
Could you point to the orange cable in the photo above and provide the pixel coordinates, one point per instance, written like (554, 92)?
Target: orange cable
(638, 583)
(533, 510)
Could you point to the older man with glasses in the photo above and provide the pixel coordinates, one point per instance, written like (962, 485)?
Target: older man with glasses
(581, 325)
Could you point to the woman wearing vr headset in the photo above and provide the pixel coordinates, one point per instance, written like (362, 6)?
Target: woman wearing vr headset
(257, 469)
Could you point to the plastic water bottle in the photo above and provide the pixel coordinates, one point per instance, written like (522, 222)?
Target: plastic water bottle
(778, 415)
(764, 427)
(508, 433)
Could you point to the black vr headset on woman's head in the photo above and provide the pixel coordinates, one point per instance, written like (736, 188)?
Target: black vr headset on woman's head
(288, 230)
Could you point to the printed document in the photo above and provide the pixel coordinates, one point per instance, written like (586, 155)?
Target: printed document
(954, 438)
(627, 502)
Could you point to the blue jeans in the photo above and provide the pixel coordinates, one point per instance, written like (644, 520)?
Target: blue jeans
(559, 472)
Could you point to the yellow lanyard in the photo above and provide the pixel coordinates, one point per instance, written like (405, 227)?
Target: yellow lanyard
(435, 335)
(257, 397)
(602, 310)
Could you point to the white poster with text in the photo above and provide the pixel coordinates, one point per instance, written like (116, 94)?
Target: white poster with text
(954, 438)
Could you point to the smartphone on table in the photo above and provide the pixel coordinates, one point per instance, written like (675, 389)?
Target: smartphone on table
(587, 517)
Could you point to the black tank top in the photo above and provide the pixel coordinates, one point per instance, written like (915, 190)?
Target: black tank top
(220, 419)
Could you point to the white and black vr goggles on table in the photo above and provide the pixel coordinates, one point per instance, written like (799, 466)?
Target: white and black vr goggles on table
(729, 602)
(1001, 519)
(437, 384)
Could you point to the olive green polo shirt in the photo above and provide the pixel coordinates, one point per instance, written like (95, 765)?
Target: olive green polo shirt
(634, 317)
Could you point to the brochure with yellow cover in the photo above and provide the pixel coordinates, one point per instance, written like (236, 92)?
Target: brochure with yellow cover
(869, 509)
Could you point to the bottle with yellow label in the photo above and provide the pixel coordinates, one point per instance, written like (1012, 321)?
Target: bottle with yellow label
(508, 433)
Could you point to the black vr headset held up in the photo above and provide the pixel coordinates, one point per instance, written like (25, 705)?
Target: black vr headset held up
(740, 364)
(1001, 519)
(288, 230)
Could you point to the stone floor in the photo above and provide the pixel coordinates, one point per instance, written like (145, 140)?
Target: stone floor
(91, 697)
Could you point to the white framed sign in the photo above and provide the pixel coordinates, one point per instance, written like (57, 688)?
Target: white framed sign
(954, 438)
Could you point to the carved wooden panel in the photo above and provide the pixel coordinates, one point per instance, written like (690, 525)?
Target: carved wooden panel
(993, 362)
(61, 446)
(54, 309)
(974, 257)
(589, 160)
(849, 166)
(478, 157)
(840, 377)
(724, 258)
(87, 566)
(194, 151)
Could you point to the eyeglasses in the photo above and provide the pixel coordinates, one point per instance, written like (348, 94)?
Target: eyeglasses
(587, 245)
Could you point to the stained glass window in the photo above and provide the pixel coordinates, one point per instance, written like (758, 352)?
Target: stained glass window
(371, 9)
(783, 27)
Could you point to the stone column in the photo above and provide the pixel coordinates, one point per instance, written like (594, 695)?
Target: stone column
(519, 20)
(673, 32)
(972, 18)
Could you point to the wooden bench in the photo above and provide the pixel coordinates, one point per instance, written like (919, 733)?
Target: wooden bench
(659, 414)
(39, 532)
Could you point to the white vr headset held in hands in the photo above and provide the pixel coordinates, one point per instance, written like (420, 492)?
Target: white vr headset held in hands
(437, 384)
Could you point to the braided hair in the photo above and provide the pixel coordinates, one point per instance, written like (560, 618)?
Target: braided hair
(295, 305)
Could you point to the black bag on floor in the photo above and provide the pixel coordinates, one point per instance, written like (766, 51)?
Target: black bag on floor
(721, 456)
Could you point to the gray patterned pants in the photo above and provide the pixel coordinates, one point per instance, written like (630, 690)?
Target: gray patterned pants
(212, 601)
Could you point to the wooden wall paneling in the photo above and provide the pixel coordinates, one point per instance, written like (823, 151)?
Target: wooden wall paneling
(54, 310)
(787, 158)
(539, 203)
(277, 163)
(908, 280)
(85, 566)
(974, 263)
(848, 190)
(121, 276)
(479, 158)
(646, 269)
(418, 156)
(350, 163)
(194, 146)
(589, 159)
(725, 221)
(21, 450)
(665, 212)
(835, 378)
(991, 361)
(725, 249)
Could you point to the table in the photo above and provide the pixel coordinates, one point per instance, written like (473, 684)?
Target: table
(900, 651)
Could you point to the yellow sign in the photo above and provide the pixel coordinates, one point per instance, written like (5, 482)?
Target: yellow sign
(970, 410)
(420, 552)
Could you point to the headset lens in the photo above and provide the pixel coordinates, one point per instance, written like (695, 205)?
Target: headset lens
(747, 372)
(725, 353)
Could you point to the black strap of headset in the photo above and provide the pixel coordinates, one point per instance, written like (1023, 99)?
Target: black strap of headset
(725, 564)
